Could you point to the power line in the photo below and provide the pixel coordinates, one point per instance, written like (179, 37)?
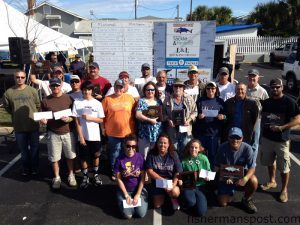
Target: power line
(157, 9)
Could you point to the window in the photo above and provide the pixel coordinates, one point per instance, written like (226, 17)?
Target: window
(55, 23)
(46, 9)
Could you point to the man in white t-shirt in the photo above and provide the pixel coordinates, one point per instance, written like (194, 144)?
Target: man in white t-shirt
(44, 84)
(89, 113)
(147, 76)
(227, 89)
(128, 89)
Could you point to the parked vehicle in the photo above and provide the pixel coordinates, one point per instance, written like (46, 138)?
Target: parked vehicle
(291, 72)
(280, 54)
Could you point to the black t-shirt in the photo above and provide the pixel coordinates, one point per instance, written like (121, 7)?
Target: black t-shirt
(278, 112)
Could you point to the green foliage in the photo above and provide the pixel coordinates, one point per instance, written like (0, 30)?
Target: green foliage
(222, 15)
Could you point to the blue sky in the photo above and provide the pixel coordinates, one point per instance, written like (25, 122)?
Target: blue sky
(124, 9)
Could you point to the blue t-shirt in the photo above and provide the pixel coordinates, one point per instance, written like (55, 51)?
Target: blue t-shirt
(166, 166)
(209, 126)
(243, 157)
(130, 169)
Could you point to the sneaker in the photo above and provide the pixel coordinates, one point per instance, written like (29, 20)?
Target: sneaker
(249, 206)
(97, 180)
(268, 186)
(56, 182)
(72, 181)
(283, 197)
(175, 204)
(85, 182)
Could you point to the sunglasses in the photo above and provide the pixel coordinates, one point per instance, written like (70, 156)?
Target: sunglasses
(146, 69)
(54, 85)
(150, 89)
(75, 81)
(18, 77)
(131, 146)
(177, 86)
(235, 137)
(275, 87)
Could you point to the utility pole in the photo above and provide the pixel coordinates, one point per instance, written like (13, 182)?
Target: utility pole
(31, 5)
(191, 11)
(177, 7)
(135, 8)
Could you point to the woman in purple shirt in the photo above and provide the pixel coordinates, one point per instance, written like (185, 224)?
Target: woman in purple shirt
(129, 169)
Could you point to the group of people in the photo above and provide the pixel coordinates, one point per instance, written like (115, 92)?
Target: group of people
(156, 132)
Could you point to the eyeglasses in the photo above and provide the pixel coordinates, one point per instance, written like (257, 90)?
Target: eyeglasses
(275, 87)
(54, 85)
(18, 77)
(75, 81)
(235, 137)
(150, 89)
(131, 146)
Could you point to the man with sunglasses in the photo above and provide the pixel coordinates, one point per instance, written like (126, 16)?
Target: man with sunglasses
(76, 92)
(43, 85)
(147, 75)
(279, 114)
(21, 101)
(194, 86)
(59, 132)
(235, 152)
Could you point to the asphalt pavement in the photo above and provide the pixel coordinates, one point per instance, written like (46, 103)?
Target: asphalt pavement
(30, 200)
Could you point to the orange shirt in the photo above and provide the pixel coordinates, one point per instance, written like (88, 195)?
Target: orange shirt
(119, 115)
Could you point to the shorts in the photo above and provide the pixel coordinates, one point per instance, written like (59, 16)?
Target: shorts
(279, 151)
(92, 149)
(58, 143)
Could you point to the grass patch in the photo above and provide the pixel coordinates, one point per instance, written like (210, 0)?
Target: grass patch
(5, 118)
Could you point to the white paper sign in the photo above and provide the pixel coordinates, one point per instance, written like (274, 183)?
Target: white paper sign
(42, 115)
(207, 174)
(63, 113)
(210, 113)
(164, 183)
(87, 111)
(183, 129)
(139, 81)
(161, 88)
(126, 206)
(193, 91)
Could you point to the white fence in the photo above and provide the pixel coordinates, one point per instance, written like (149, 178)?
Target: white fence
(256, 45)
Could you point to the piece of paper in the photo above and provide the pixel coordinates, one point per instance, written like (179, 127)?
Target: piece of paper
(183, 129)
(161, 88)
(139, 81)
(210, 112)
(164, 183)
(207, 174)
(126, 206)
(193, 91)
(87, 111)
(42, 115)
(63, 113)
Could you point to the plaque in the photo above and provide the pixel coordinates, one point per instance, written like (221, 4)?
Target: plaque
(153, 112)
(178, 117)
(189, 179)
(232, 172)
(97, 90)
(272, 119)
(40, 67)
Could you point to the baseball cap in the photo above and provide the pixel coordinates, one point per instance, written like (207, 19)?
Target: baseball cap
(235, 131)
(77, 56)
(276, 81)
(94, 64)
(119, 82)
(211, 83)
(57, 68)
(223, 70)
(178, 82)
(74, 77)
(193, 68)
(55, 81)
(145, 65)
(254, 72)
(123, 74)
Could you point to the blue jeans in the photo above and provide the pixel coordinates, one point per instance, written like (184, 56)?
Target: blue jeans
(137, 211)
(255, 139)
(116, 146)
(180, 140)
(196, 199)
(28, 144)
(211, 145)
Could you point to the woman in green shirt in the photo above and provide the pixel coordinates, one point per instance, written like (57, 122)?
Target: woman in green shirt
(195, 160)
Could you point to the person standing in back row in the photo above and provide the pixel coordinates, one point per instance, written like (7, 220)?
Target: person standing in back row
(147, 75)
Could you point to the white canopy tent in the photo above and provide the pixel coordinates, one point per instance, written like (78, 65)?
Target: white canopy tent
(15, 24)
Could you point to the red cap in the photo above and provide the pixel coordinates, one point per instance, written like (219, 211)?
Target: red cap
(123, 74)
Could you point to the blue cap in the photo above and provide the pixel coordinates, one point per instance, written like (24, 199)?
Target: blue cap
(55, 80)
(235, 131)
(145, 65)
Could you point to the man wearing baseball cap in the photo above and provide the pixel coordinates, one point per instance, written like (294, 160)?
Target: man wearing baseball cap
(147, 76)
(128, 89)
(102, 85)
(194, 86)
(76, 92)
(77, 66)
(279, 114)
(235, 152)
(226, 88)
